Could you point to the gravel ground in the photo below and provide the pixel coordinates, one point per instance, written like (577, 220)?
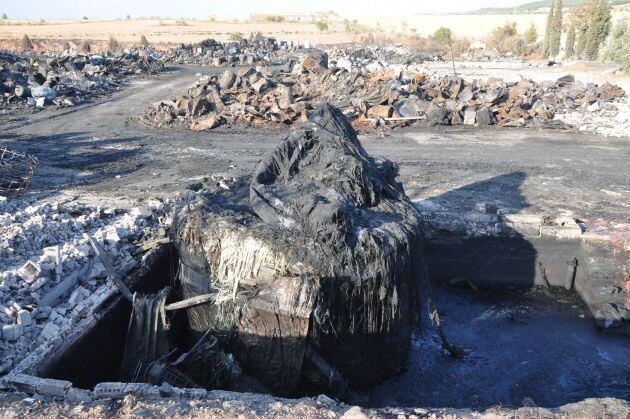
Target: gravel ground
(235, 405)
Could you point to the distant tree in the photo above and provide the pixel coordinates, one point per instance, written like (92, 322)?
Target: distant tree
(569, 45)
(598, 28)
(548, 30)
(353, 27)
(444, 36)
(618, 48)
(86, 47)
(581, 41)
(573, 26)
(501, 38)
(26, 43)
(322, 26)
(143, 41)
(113, 44)
(531, 35)
(236, 36)
(556, 30)
(276, 19)
(84, 18)
(4, 16)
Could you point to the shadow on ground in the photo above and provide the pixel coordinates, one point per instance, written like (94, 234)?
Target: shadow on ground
(525, 344)
(76, 158)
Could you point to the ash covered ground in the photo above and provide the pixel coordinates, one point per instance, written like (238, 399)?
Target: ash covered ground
(110, 167)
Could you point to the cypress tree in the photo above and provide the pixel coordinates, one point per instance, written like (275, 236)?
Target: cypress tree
(27, 45)
(113, 43)
(532, 34)
(581, 42)
(598, 28)
(545, 48)
(556, 29)
(86, 47)
(570, 43)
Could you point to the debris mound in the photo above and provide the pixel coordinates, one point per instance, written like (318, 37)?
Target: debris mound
(50, 278)
(210, 52)
(313, 262)
(68, 78)
(373, 58)
(283, 95)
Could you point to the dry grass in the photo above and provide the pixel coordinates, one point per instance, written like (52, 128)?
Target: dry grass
(469, 26)
(166, 32)
(169, 32)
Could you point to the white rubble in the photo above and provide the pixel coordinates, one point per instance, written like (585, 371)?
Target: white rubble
(44, 255)
(612, 120)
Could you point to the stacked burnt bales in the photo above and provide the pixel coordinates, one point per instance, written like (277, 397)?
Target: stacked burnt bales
(283, 95)
(313, 263)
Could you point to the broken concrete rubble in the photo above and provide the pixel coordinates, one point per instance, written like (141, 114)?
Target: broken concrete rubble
(608, 119)
(139, 400)
(503, 226)
(43, 287)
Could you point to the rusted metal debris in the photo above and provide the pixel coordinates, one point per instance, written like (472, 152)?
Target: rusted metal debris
(16, 170)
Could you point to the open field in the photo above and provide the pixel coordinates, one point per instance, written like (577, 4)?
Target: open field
(168, 32)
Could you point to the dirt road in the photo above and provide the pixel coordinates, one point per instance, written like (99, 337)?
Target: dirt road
(97, 151)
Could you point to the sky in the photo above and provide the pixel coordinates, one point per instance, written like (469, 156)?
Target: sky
(113, 9)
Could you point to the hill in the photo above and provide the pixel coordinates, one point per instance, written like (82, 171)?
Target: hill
(535, 6)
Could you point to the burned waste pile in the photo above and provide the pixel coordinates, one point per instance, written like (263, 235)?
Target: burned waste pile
(210, 52)
(266, 95)
(69, 78)
(307, 273)
(374, 58)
